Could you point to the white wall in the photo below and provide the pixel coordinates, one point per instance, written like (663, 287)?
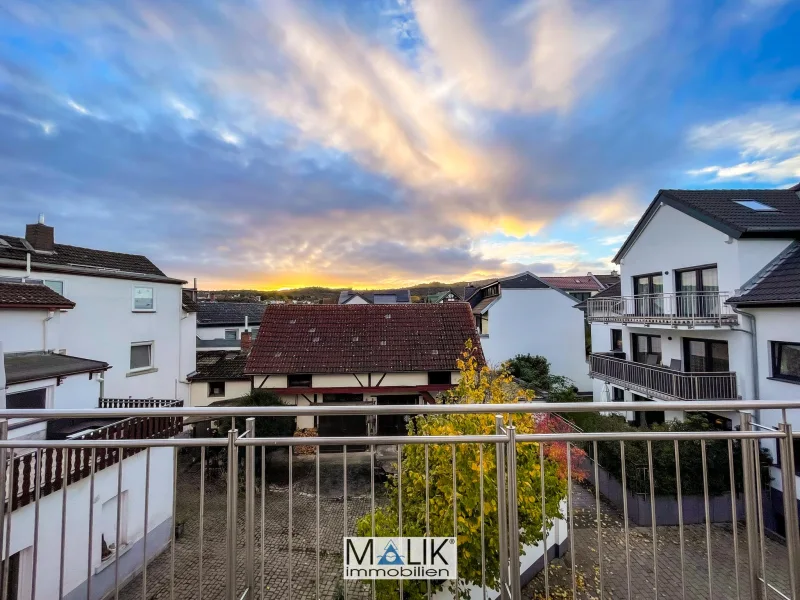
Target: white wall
(77, 522)
(658, 249)
(218, 333)
(755, 254)
(102, 326)
(27, 330)
(233, 389)
(776, 325)
(540, 321)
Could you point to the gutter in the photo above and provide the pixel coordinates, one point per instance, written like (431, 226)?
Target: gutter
(754, 355)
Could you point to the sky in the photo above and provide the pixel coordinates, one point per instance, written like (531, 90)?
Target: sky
(281, 143)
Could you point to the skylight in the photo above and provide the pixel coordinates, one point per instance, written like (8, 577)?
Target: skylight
(755, 205)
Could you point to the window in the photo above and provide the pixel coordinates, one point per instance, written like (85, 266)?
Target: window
(649, 290)
(254, 332)
(616, 340)
(216, 389)
(438, 377)
(492, 291)
(482, 323)
(705, 356)
(755, 205)
(617, 394)
(786, 361)
(303, 380)
(646, 348)
(143, 298)
(29, 399)
(231, 334)
(141, 355)
(698, 292)
(581, 296)
(112, 540)
(56, 286)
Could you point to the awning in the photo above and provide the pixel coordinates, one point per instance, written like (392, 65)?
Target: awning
(22, 367)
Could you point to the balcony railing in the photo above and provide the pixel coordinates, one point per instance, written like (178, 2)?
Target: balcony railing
(682, 308)
(47, 465)
(257, 565)
(663, 383)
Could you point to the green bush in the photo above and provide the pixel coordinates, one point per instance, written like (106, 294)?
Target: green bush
(665, 482)
(264, 426)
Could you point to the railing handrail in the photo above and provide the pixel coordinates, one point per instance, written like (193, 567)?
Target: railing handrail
(662, 368)
(656, 295)
(415, 409)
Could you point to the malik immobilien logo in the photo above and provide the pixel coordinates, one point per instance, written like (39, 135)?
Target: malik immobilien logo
(400, 558)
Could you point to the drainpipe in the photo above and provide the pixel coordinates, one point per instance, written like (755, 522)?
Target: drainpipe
(50, 315)
(754, 354)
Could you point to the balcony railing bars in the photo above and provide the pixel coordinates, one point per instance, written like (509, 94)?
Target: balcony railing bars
(663, 383)
(681, 308)
(506, 441)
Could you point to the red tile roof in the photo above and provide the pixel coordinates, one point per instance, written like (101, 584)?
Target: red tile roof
(31, 295)
(362, 338)
(574, 283)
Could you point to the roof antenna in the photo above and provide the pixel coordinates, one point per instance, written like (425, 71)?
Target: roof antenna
(41, 218)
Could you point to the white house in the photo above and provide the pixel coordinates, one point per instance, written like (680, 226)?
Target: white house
(707, 306)
(79, 326)
(352, 354)
(379, 297)
(522, 314)
(33, 375)
(220, 324)
(128, 312)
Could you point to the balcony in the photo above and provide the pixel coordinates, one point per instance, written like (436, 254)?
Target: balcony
(686, 309)
(663, 383)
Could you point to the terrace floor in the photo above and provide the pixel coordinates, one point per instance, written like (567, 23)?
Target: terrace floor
(187, 566)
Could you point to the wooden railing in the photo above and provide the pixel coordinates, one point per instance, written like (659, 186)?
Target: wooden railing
(660, 382)
(51, 472)
(137, 403)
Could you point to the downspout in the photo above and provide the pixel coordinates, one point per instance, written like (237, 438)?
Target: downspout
(50, 315)
(754, 355)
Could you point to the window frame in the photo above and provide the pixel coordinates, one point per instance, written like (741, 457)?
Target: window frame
(433, 375)
(614, 391)
(621, 340)
(708, 354)
(635, 347)
(61, 281)
(36, 389)
(152, 357)
(133, 299)
(235, 334)
(211, 394)
(776, 348)
(698, 274)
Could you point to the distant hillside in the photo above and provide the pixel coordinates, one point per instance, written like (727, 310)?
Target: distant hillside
(318, 294)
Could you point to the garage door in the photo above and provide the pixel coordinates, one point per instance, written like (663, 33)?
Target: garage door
(342, 425)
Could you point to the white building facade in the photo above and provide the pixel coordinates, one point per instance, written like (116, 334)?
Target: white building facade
(704, 319)
(522, 314)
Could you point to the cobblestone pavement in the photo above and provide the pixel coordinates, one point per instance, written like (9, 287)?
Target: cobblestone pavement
(641, 553)
(331, 519)
(276, 536)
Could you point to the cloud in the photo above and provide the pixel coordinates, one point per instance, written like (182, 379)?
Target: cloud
(768, 136)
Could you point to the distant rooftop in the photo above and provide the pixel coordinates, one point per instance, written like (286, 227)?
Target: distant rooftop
(377, 297)
(228, 313)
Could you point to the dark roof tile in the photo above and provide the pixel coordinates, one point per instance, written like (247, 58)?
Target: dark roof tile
(18, 295)
(362, 338)
(220, 366)
(776, 283)
(229, 313)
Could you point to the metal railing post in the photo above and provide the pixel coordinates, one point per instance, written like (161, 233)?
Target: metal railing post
(790, 507)
(501, 507)
(513, 517)
(233, 489)
(750, 508)
(250, 507)
(3, 472)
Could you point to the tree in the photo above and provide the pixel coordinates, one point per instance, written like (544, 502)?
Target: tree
(476, 385)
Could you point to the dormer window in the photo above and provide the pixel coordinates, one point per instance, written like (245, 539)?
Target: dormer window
(493, 290)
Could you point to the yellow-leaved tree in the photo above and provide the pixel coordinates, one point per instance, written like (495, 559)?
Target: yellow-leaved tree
(477, 384)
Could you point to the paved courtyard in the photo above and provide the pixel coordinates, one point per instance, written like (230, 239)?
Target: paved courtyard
(331, 519)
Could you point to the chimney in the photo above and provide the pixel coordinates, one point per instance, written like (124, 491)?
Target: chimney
(247, 341)
(40, 236)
